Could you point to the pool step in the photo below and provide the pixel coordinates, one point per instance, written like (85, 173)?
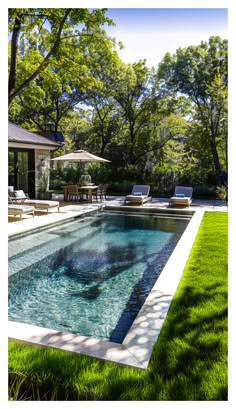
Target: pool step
(182, 214)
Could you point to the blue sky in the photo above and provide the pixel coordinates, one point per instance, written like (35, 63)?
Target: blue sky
(151, 32)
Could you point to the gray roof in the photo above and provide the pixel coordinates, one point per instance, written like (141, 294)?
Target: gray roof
(18, 134)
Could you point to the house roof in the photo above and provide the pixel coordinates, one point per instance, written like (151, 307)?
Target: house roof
(21, 135)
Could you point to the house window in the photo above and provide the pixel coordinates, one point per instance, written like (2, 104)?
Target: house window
(21, 171)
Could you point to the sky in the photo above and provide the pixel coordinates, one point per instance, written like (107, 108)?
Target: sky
(148, 33)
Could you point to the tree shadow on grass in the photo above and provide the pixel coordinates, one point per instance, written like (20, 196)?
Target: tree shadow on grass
(190, 346)
(57, 375)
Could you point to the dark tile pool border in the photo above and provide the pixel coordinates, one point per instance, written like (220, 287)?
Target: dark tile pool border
(137, 346)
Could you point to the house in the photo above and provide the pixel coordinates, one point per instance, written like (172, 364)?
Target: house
(29, 157)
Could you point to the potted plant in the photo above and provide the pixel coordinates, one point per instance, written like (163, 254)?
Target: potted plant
(222, 192)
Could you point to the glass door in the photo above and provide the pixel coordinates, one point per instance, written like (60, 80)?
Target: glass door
(21, 172)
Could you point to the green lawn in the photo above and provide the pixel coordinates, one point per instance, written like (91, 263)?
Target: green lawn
(189, 360)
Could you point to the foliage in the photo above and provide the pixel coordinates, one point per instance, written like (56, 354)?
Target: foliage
(69, 174)
(46, 31)
(163, 126)
(222, 192)
(200, 73)
(189, 360)
(65, 83)
(147, 118)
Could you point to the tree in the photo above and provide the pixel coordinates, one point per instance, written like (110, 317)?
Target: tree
(149, 119)
(104, 65)
(50, 27)
(200, 73)
(76, 75)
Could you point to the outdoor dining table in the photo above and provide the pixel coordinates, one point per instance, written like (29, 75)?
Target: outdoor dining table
(88, 188)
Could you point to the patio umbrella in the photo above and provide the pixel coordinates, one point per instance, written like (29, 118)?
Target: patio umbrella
(81, 156)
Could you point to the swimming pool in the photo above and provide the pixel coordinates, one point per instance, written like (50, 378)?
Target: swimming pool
(91, 276)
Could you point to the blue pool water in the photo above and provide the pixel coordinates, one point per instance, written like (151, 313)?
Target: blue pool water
(90, 276)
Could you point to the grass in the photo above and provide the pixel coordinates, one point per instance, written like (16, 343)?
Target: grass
(189, 360)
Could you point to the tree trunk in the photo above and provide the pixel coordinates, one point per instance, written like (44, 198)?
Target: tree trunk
(132, 143)
(14, 49)
(102, 150)
(215, 157)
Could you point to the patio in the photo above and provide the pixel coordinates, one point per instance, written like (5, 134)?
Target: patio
(70, 210)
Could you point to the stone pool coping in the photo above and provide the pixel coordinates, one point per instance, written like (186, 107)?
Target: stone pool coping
(30, 225)
(137, 346)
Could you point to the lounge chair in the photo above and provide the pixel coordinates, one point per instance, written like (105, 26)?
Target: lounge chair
(21, 198)
(20, 210)
(139, 195)
(182, 196)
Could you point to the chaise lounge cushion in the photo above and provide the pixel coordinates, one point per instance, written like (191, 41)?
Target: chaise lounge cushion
(19, 194)
(19, 210)
(182, 196)
(139, 195)
(38, 204)
(43, 204)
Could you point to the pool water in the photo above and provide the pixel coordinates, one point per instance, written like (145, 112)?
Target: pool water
(91, 276)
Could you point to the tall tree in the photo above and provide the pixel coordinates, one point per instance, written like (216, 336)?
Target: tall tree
(105, 66)
(50, 24)
(147, 116)
(200, 73)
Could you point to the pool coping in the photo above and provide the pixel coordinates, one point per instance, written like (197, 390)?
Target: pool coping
(137, 346)
(23, 228)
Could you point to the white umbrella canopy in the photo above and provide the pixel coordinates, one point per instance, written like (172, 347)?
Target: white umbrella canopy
(81, 156)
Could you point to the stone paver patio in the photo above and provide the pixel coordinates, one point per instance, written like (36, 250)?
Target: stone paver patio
(69, 210)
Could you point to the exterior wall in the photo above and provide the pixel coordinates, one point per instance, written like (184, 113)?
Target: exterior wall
(42, 170)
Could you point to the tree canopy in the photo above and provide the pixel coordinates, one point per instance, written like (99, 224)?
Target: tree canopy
(164, 125)
(45, 31)
(200, 73)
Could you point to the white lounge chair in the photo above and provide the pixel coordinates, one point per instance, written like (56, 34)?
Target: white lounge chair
(182, 196)
(139, 195)
(20, 210)
(22, 198)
